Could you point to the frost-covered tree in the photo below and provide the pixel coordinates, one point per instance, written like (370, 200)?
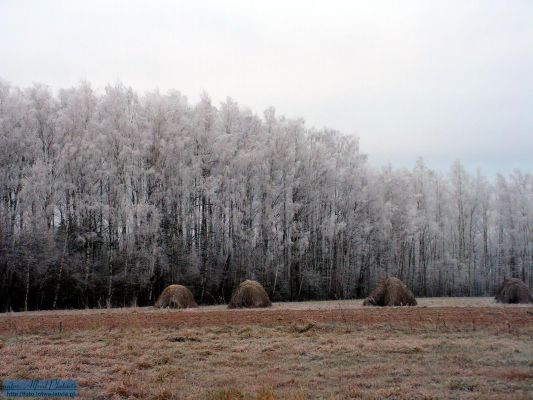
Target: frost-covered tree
(105, 198)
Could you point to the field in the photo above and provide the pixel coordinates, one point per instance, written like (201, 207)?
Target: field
(443, 349)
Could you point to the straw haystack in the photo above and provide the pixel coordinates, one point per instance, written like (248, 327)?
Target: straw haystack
(390, 292)
(176, 296)
(513, 291)
(249, 294)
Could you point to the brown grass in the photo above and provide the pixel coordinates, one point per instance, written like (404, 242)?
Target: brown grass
(395, 353)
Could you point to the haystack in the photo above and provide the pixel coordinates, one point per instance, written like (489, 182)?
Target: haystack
(390, 292)
(513, 291)
(249, 294)
(176, 296)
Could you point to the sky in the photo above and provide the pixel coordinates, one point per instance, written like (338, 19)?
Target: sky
(437, 80)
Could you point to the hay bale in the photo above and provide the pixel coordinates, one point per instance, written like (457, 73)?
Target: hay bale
(176, 296)
(390, 292)
(249, 294)
(513, 291)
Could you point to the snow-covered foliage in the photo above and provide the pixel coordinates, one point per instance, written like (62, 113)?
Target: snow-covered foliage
(108, 198)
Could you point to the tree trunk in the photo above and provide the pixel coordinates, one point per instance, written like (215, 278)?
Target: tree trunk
(27, 287)
(60, 273)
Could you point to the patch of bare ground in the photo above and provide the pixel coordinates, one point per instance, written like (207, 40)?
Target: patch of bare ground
(400, 353)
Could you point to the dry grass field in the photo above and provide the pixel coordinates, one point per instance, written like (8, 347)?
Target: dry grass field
(443, 349)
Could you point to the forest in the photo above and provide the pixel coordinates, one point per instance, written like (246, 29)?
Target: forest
(106, 198)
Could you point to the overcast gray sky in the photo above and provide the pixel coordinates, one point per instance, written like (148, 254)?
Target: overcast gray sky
(434, 79)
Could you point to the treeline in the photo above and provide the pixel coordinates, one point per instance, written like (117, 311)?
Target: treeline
(107, 198)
